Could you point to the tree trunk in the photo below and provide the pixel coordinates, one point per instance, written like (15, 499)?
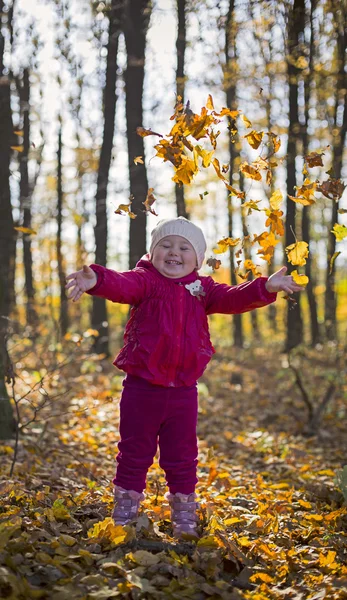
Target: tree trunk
(25, 198)
(99, 311)
(230, 89)
(63, 317)
(7, 242)
(296, 24)
(306, 234)
(181, 43)
(339, 139)
(137, 15)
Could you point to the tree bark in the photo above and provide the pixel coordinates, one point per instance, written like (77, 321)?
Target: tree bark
(63, 316)
(181, 43)
(305, 225)
(230, 90)
(339, 139)
(25, 198)
(99, 310)
(137, 15)
(296, 24)
(7, 242)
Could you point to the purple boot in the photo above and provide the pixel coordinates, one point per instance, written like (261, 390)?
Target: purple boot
(126, 505)
(183, 513)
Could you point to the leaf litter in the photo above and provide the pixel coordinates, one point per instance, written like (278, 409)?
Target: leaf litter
(272, 522)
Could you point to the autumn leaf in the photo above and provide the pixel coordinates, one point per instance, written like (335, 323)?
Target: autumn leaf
(254, 138)
(267, 241)
(150, 199)
(305, 193)
(138, 160)
(246, 121)
(250, 171)
(251, 205)
(144, 132)
(185, 172)
(332, 260)
(226, 112)
(260, 576)
(209, 103)
(206, 156)
(214, 263)
(26, 230)
(342, 211)
(297, 253)
(275, 140)
(108, 530)
(314, 159)
(124, 209)
(60, 511)
(299, 279)
(226, 243)
(339, 231)
(332, 188)
(274, 221)
(17, 148)
(276, 199)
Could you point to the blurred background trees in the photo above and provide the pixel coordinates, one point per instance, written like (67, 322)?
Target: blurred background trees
(78, 78)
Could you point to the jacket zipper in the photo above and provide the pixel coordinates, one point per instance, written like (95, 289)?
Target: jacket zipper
(177, 341)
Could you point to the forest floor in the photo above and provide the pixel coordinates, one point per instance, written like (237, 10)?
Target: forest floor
(273, 522)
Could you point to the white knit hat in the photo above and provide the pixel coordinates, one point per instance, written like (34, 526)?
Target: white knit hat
(183, 228)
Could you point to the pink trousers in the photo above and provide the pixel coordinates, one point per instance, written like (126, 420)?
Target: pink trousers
(152, 414)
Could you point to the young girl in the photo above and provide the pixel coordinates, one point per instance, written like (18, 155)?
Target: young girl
(166, 349)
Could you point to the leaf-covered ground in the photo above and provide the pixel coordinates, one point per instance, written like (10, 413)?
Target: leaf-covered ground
(273, 523)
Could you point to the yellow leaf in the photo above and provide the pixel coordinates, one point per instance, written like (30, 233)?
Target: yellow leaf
(185, 172)
(332, 260)
(251, 205)
(20, 132)
(304, 504)
(124, 209)
(264, 577)
(327, 560)
(244, 541)
(60, 511)
(274, 221)
(276, 200)
(250, 171)
(232, 520)
(246, 121)
(108, 530)
(299, 279)
(226, 243)
(17, 148)
(209, 541)
(143, 558)
(280, 486)
(254, 138)
(209, 103)
(313, 517)
(339, 231)
(144, 132)
(68, 540)
(138, 160)
(297, 253)
(206, 156)
(26, 230)
(302, 200)
(328, 472)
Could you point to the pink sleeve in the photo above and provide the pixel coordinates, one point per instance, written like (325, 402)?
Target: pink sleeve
(126, 288)
(226, 299)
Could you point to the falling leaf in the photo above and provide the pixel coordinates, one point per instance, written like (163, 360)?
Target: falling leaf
(250, 171)
(332, 188)
(305, 193)
(226, 243)
(267, 241)
(26, 230)
(297, 253)
(254, 138)
(314, 159)
(209, 103)
(138, 160)
(185, 172)
(214, 263)
(299, 279)
(275, 140)
(19, 132)
(251, 205)
(124, 209)
(332, 260)
(339, 231)
(144, 132)
(246, 121)
(274, 221)
(276, 199)
(150, 199)
(206, 156)
(18, 148)
(342, 211)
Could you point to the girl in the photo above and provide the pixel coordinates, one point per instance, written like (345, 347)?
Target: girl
(166, 349)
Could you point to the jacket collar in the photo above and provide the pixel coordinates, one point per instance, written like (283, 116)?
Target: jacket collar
(145, 263)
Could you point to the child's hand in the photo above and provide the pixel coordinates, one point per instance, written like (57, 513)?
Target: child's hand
(80, 282)
(279, 282)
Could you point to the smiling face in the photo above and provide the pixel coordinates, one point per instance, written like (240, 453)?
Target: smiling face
(174, 257)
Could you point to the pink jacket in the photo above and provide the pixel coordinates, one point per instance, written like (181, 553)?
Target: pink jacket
(166, 339)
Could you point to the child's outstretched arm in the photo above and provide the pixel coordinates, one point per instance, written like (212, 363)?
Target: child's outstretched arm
(80, 282)
(280, 282)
